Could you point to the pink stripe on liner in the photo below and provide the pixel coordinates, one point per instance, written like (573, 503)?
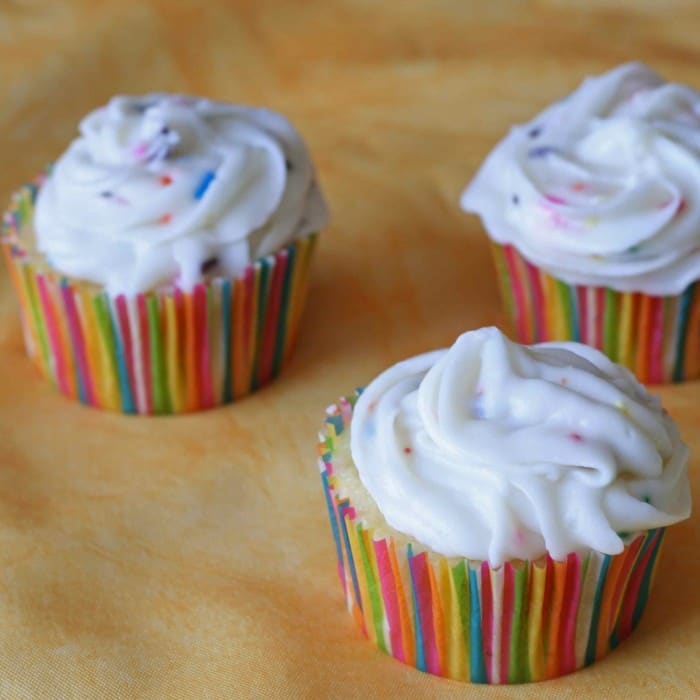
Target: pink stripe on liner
(391, 602)
(144, 333)
(127, 341)
(54, 336)
(541, 331)
(419, 569)
(201, 324)
(488, 633)
(568, 628)
(600, 317)
(78, 342)
(519, 300)
(656, 341)
(632, 594)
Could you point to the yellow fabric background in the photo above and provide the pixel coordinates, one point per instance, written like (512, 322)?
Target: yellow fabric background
(190, 557)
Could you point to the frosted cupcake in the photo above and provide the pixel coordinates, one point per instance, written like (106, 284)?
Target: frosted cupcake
(161, 266)
(498, 509)
(593, 208)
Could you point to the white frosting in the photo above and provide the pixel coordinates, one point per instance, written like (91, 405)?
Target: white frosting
(168, 189)
(602, 188)
(496, 451)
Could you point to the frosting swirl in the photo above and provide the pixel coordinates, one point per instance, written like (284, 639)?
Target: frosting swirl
(169, 189)
(496, 451)
(601, 188)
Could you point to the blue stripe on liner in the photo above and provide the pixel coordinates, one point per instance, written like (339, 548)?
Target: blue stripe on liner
(420, 653)
(476, 644)
(683, 313)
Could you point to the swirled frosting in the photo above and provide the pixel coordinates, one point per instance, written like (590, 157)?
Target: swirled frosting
(169, 189)
(495, 451)
(602, 188)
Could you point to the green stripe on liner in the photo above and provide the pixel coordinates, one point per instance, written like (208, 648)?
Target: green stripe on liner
(686, 301)
(161, 398)
(281, 335)
(641, 603)
(263, 295)
(610, 328)
(595, 618)
(113, 345)
(374, 593)
(518, 667)
(567, 307)
(39, 322)
(461, 583)
(503, 279)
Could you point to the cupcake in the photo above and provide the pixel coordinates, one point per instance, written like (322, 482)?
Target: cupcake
(593, 209)
(498, 509)
(161, 265)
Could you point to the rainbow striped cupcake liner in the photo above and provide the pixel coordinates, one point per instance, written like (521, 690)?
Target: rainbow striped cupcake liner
(159, 352)
(461, 619)
(658, 338)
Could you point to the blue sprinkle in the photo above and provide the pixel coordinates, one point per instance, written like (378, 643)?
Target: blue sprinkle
(541, 151)
(477, 407)
(535, 132)
(204, 183)
(633, 249)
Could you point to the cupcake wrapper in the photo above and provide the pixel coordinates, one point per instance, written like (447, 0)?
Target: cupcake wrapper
(658, 338)
(464, 620)
(158, 352)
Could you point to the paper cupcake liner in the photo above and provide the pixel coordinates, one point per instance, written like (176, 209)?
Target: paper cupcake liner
(658, 338)
(461, 619)
(159, 352)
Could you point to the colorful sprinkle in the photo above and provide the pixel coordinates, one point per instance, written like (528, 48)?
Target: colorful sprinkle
(515, 199)
(534, 132)
(407, 450)
(165, 219)
(166, 180)
(578, 186)
(576, 437)
(204, 183)
(681, 206)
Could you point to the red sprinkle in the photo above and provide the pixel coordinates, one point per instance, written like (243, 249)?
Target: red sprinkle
(578, 186)
(166, 180)
(165, 219)
(407, 450)
(681, 206)
(576, 437)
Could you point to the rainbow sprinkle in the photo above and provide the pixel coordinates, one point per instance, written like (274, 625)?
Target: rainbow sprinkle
(158, 352)
(658, 338)
(525, 621)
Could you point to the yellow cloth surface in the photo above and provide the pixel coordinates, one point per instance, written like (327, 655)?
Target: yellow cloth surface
(190, 557)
